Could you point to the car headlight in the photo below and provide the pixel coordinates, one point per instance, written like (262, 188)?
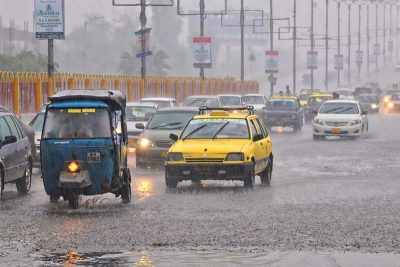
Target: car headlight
(386, 99)
(235, 157)
(355, 122)
(391, 105)
(374, 106)
(175, 156)
(145, 142)
(319, 121)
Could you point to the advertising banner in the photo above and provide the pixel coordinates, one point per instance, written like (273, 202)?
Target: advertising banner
(49, 19)
(359, 57)
(202, 52)
(338, 62)
(312, 59)
(271, 61)
(144, 48)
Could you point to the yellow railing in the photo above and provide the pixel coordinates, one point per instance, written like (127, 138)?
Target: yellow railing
(25, 92)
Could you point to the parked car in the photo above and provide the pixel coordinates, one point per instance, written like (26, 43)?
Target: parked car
(137, 113)
(283, 111)
(154, 143)
(37, 125)
(369, 102)
(231, 100)
(161, 102)
(340, 118)
(221, 145)
(15, 153)
(258, 101)
(202, 100)
(313, 104)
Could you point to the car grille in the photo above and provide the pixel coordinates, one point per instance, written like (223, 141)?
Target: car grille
(164, 143)
(336, 123)
(204, 160)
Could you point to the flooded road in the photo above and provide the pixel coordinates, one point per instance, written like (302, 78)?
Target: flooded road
(333, 202)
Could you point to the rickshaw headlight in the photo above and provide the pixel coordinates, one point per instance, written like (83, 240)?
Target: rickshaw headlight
(145, 142)
(73, 167)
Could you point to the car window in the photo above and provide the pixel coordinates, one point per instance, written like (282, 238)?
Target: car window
(282, 104)
(199, 102)
(37, 122)
(19, 127)
(170, 120)
(262, 129)
(253, 128)
(13, 127)
(339, 108)
(4, 129)
(139, 113)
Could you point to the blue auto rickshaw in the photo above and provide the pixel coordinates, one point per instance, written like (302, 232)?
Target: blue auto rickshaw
(84, 146)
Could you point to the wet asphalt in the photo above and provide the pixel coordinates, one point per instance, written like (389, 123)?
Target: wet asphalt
(340, 196)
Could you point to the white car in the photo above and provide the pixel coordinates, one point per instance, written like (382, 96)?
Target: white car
(161, 102)
(231, 100)
(345, 93)
(258, 101)
(340, 118)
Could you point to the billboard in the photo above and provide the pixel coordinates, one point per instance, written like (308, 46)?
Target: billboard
(338, 62)
(202, 52)
(312, 59)
(49, 19)
(271, 62)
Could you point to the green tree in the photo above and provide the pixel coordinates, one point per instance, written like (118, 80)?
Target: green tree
(24, 61)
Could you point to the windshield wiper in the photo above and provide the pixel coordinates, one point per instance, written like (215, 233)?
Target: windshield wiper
(165, 125)
(220, 130)
(194, 131)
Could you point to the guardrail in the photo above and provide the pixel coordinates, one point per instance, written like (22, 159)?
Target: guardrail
(25, 92)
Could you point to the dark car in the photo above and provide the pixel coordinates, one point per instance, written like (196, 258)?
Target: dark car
(154, 142)
(369, 102)
(283, 111)
(15, 153)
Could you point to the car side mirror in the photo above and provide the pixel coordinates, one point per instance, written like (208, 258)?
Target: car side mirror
(257, 137)
(139, 126)
(364, 112)
(173, 137)
(9, 140)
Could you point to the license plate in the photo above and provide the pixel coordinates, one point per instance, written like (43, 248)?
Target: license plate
(203, 169)
(164, 154)
(93, 157)
(336, 130)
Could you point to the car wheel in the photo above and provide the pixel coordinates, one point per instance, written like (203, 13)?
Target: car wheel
(249, 180)
(73, 199)
(54, 199)
(170, 183)
(24, 183)
(126, 193)
(266, 175)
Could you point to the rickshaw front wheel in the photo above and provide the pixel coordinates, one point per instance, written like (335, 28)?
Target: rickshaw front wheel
(126, 192)
(73, 199)
(54, 199)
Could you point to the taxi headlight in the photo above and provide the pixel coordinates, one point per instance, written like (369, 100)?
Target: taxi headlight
(391, 105)
(319, 122)
(386, 99)
(145, 142)
(73, 167)
(355, 122)
(175, 156)
(235, 157)
(374, 106)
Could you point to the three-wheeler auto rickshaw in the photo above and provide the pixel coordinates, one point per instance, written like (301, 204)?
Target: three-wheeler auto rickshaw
(84, 146)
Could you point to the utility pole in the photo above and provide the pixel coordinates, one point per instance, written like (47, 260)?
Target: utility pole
(349, 46)
(242, 41)
(359, 42)
(143, 22)
(339, 40)
(390, 33)
(368, 38)
(384, 34)
(397, 35)
(326, 44)
(312, 41)
(271, 37)
(294, 45)
(202, 17)
(376, 34)
(50, 58)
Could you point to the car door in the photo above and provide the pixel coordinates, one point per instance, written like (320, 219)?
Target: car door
(259, 149)
(22, 147)
(8, 153)
(23, 144)
(266, 143)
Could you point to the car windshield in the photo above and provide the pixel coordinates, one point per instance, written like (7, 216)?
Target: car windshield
(281, 104)
(339, 108)
(253, 99)
(201, 101)
(231, 100)
(344, 92)
(37, 122)
(216, 129)
(318, 100)
(77, 123)
(304, 97)
(368, 99)
(363, 90)
(139, 113)
(396, 97)
(170, 120)
(160, 103)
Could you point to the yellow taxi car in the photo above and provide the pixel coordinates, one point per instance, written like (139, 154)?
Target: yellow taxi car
(221, 145)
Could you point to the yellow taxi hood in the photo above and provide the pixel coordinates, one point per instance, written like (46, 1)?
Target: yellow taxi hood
(216, 146)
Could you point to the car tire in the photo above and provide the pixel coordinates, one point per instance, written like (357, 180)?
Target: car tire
(126, 192)
(73, 199)
(249, 180)
(25, 182)
(170, 183)
(54, 199)
(266, 175)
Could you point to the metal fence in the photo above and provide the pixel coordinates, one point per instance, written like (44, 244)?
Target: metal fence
(26, 92)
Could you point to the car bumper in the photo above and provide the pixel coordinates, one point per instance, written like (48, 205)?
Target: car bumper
(324, 130)
(271, 122)
(181, 172)
(151, 156)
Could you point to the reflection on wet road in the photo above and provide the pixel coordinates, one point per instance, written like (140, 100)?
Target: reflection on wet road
(333, 195)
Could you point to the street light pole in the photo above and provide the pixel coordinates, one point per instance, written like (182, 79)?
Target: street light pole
(376, 34)
(143, 21)
(326, 43)
(368, 38)
(397, 35)
(349, 46)
(359, 41)
(271, 37)
(390, 32)
(338, 52)
(384, 34)
(312, 41)
(202, 17)
(241, 41)
(294, 45)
